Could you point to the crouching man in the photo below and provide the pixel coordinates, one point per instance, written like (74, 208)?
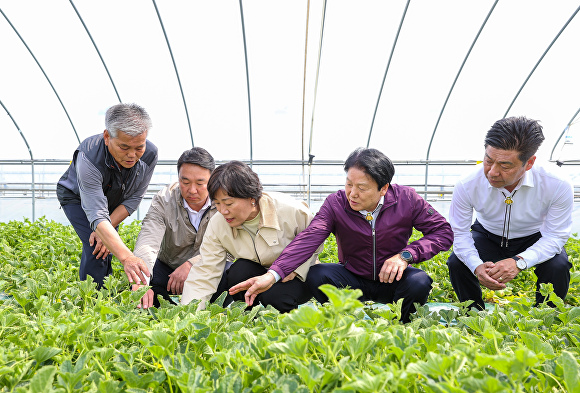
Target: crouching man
(173, 229)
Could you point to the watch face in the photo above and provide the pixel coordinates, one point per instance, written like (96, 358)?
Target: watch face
(406, 256)
(521, 264)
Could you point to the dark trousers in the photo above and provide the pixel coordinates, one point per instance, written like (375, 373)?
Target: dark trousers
(159, 281)
(414, 286)
(283, 296)
(161, 272)
(466, 285)
(98, 269)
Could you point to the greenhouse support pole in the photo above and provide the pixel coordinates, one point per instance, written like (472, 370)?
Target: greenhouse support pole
(31, 159)
(304, 88)
(33, 194)
(449, 95)
(386, 71)
(316, 83)
(310, 158)
(562, 134)
(540, 60)
(97, 49)
(247, 84)
(44, 73)
(176, 72)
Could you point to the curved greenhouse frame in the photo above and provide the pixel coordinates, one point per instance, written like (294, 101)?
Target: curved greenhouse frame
(290, 87)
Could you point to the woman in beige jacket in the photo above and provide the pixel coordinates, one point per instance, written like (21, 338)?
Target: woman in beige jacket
(254, 227)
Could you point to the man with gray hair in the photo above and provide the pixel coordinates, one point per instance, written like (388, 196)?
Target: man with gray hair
(105, 183)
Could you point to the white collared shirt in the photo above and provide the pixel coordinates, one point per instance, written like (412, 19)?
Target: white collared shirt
(543, 203)
(195, 217)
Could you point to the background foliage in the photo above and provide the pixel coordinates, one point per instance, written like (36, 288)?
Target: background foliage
(59, 334)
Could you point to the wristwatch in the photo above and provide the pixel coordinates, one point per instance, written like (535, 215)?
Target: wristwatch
(520, 262)
(406, 256)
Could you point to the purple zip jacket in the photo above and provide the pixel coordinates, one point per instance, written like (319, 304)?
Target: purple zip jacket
(360, 249)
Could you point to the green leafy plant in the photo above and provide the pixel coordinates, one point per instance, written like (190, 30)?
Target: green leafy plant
(60, 334)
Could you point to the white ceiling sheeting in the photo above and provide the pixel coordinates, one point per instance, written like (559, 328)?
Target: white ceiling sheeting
(206, 38)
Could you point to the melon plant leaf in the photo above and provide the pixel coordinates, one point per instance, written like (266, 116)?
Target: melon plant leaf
(534, 343)
(160, 338)
(570, 315)
(42, 380)
(104, 310)
(293, 345)
(342, 300)
(570, 368)
(42, 354)
(304, 317)
(70, 377)
(201, 331)
(477, 323)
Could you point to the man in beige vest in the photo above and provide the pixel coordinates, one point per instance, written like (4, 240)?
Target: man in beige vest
(173, 229)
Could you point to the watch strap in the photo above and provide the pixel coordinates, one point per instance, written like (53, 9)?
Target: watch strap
(517, 259)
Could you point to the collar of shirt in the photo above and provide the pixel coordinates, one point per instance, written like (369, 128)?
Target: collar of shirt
(375, 212)
(527, 180)
(537, 191)
(195, 217)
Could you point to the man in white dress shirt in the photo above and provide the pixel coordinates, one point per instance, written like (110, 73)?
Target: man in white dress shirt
(523, 217)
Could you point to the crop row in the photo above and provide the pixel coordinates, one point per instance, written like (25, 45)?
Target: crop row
(61, 334)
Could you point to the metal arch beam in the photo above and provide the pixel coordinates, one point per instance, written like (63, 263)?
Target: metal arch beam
(304, 84)
(451, 90)
(540, 60)
(565, 129)
(317, 75)
(176, 72)
(387, 70)
(31, 160)
(97, 49)
(247, 83)
(310, 155)
(46, 76)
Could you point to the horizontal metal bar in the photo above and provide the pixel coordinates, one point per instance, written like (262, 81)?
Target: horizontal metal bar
(256, 162)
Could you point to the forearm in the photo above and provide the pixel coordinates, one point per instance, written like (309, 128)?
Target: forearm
(112, 240)
(118, 215)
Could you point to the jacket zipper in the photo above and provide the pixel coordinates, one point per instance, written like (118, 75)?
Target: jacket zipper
(374, 256)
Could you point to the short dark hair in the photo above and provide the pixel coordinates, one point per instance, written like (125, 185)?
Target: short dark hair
(196, 156)
(236, 179)
(373, 163)
(516, 133)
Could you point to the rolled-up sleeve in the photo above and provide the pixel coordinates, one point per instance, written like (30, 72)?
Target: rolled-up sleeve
(151, 234)
(93, 200)
(132, 202)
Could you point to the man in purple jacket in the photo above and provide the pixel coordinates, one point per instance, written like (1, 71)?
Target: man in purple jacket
(372, 221)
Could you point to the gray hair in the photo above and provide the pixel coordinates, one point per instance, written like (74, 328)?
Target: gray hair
(131, 119)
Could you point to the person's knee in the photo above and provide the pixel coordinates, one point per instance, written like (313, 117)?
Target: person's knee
(560, 264)
(453, 262)
(241, 270)
(419, 286)
(281, 303)
(554, 269)
(318, 275)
